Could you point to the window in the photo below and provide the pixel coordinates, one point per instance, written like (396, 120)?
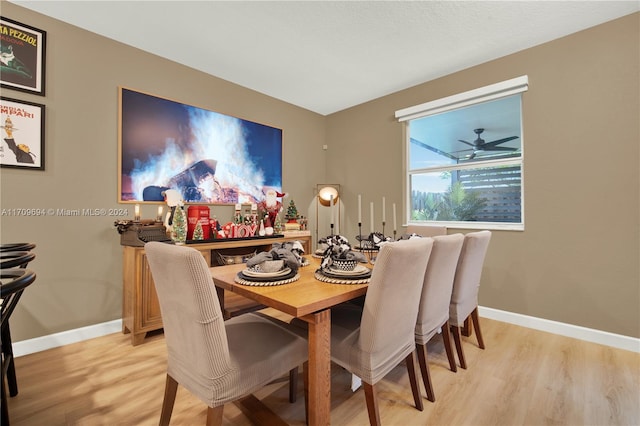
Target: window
(464, 157)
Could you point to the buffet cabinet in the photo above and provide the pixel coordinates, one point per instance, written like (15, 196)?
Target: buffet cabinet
(140, 306)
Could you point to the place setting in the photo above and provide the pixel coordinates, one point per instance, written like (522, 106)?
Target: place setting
(340, 264)
(276, 267)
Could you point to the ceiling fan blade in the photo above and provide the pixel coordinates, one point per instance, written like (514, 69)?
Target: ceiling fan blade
(468, 143)
(498, 148)
(499, 141)
(463, 150)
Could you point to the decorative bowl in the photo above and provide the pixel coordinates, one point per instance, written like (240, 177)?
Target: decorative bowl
(344, 264)
(269, 266)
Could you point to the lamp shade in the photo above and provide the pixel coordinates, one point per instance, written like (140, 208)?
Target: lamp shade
(325, 194)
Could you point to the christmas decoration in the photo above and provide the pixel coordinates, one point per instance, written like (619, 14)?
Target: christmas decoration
(272, 206)
(179, 225)
(198, 233)
(292, 217)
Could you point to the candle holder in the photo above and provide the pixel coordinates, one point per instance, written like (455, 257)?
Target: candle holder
(331, 226)
(383, 223)
(394, 235)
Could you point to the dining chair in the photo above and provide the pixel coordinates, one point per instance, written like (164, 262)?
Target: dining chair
(433, 313)
(12, 259)
(370, 341)
(14, 282)
(218, 361)
(466, 284)
(17, 247)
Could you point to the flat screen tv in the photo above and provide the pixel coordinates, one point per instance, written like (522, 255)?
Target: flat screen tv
(210, 158)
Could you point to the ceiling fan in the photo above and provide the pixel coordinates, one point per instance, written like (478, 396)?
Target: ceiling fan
(479, 145)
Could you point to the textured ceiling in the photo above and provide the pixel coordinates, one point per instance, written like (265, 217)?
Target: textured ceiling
(326, 56)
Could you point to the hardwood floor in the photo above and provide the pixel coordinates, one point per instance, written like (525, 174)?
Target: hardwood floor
(523, 377)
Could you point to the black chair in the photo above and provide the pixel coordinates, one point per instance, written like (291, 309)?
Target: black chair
(14, 281)
(13, 259)
(17, 247)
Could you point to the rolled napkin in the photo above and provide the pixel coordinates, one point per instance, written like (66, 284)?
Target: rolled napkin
(290, 259)
(338, 247)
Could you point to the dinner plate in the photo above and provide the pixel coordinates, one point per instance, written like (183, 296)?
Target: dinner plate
(262, 278)
(251, 273)
(358, 270)
(347, 276)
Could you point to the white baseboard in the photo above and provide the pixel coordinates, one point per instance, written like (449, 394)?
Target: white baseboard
(589, 334)
(619, 341)
(26, 347)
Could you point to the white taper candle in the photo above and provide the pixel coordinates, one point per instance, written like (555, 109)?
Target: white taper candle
(372, 217)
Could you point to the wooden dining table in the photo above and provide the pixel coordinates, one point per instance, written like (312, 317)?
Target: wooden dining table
(310, 300)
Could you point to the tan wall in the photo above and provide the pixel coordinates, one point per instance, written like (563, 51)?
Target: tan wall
(78, 261)
(577, 260)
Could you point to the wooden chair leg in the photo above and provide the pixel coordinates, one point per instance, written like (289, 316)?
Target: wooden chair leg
(455, 330)
(214, 415)
(466, 328)
(371, 396)
(446, 338)
(424, 369)
(476, 326)
(170, 390)
(413, 379)
(293, 385)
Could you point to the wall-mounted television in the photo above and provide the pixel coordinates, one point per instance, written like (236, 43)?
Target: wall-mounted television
(210, 158)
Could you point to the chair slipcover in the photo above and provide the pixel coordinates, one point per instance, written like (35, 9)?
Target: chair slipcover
(433, 313)
(464, 299)
(218, 361)
(369, 342)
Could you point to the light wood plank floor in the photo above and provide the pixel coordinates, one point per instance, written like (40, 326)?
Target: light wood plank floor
(523, 377)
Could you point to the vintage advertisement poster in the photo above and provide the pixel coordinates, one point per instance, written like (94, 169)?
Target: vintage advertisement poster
(22, 56)
(22, 126)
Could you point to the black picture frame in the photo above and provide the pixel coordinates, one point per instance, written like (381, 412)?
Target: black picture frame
(22, 57)
(27, 118)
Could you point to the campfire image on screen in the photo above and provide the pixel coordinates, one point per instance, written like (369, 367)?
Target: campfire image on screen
(208, 157)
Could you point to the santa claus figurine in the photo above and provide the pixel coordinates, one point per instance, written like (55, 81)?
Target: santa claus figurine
(272, 205)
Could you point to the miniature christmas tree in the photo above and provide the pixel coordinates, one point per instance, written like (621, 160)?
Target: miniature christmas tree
(179, 225)
(292, 211)
(198, 233)
(292, 217)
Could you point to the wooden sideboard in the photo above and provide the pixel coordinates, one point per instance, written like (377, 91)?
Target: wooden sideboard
(140, 307)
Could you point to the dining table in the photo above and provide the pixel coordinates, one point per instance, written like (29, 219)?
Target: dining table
(309, 299)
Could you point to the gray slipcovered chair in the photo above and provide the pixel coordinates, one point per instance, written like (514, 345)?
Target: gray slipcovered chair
(464, 299)
(369, 342)
(218, 361)
(433, 313)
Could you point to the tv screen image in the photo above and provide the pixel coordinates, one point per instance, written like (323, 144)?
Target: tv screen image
(210, 158)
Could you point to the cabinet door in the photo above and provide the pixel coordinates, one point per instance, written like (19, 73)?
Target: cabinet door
(150, 307)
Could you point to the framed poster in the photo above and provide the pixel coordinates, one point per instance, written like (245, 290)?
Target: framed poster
(22, 126)
(208, 157)
(22, 56)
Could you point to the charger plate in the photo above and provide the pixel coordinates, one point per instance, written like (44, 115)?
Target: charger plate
(325, 279)
(249, 273)
(240, 279)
